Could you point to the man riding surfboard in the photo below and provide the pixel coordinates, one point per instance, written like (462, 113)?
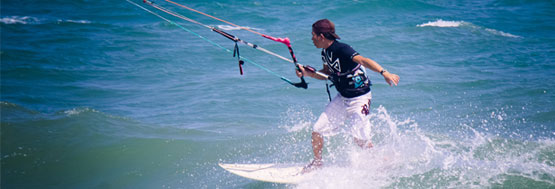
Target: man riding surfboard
(348, 110)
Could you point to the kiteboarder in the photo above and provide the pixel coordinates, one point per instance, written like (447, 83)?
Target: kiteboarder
(348, 110)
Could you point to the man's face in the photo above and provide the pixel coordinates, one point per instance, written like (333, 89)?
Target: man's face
(317, 40)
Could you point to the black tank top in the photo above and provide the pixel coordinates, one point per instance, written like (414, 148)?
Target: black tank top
(349, 78)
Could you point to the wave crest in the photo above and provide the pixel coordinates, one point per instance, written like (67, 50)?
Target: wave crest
(74, 21)
(19, 20)
(77, 111)
(453, 24)
(34, 20)
(442, 23)
(228, 27)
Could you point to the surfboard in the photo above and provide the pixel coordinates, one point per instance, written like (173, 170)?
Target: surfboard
(276, 173)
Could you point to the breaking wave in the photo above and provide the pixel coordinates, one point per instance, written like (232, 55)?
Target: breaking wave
(229, 28)
(454, 24)
(19, 20)
(34, 20)
(442, 23)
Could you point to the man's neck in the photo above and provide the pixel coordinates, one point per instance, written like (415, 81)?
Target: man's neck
(328, 43)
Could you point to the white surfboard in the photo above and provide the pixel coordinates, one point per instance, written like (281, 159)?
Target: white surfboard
(276, 173)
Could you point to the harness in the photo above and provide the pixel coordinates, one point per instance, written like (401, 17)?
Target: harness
(349, 84)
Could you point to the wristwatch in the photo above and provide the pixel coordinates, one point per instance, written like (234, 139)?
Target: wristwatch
(381, 72)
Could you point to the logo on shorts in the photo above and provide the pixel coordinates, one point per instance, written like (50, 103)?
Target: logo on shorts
(366, 108)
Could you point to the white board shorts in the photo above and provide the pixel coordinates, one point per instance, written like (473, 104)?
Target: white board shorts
(346, 115)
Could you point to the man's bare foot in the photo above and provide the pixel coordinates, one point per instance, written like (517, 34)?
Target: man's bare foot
(314, 165)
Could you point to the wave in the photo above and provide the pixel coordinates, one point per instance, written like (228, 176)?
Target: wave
(74, 21)
(34, 20)
(44, 149)
(453, 24)
(87, 120)
(78, 111)
(442, 23)
(19, 20)
(228, 27)
(496, 32)
(406, 156)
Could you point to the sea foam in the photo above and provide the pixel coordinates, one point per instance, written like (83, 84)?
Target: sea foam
(453, 24)
(496, 32)
(442, 23)
(229, 28)
(35, 20)
(19, 20)
(74, 21)
(404, 156)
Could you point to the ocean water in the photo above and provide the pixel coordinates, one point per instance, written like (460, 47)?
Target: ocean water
(103, 94)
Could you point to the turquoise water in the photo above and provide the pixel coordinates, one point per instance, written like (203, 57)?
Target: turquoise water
(102, 94)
